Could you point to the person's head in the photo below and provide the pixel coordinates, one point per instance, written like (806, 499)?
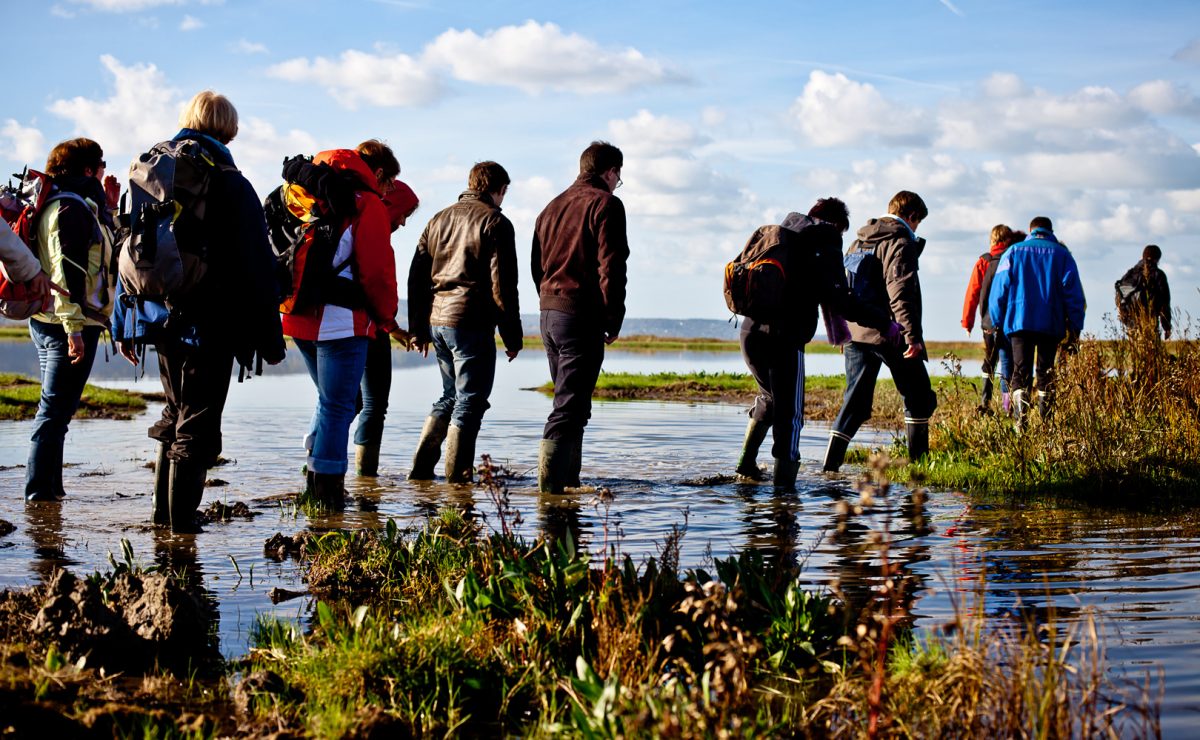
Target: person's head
(832, 211)
(212, 114)
(1041, 222)
(381, 160)
(1001, 234)
(602, 160)
(401, 202)
(908, 206)
(76, 158)
(1018, 237)
(1151, 253)
(489, 177)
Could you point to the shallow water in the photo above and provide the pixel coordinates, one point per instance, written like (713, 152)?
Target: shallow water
(1139, 571)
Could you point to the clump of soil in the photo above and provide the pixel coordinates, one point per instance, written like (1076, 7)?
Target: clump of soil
(220, 512)
(280, 546)
(128, 622)
(6, 528)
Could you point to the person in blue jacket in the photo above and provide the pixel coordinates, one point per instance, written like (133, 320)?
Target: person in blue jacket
(1038, 300)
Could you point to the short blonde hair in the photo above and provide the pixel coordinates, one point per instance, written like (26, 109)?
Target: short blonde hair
(212, 114)
(1001, 234)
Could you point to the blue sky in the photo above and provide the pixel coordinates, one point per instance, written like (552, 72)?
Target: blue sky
(730, 115)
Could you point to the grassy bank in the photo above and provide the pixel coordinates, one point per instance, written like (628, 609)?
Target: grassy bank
(639, 343)
(19, 400)
(822, 393)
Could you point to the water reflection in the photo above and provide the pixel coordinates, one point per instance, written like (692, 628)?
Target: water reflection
(44, 523)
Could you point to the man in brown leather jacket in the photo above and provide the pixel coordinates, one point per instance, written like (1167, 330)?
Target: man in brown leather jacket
(579, 253)
(462, 285)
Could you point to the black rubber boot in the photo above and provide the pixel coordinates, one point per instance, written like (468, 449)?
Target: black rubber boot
(835, 453)
(329, 491)
(429, 449)
(161, 498)
(574, 462)
(460, 454)
(1045, 407)
(747, 467)
(554, 458)
(186, 491)
(988, 389)
(918, 439)
(785, 473)
(366, 460)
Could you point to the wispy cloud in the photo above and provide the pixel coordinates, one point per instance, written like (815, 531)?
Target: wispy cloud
(953, 8)
(1189, 53)
(190, 23)
(243, 46)
(125, 6)
(856, 72)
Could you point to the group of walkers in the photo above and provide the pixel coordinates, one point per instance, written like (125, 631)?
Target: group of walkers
(253, 275)
(242, 277)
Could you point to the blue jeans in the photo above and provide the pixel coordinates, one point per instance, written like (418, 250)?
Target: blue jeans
(373, 394)
(997, 353)
(62, 387)
(862, 370)
(467, 361)
(336, 367)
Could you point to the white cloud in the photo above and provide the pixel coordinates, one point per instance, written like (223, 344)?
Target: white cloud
(190, 23)
(22, 143)
(385, 79)
(259, 148)
(58, 11)
(836, 111)
(535, 57)
(125, 6)
(532, 57)
(143, 109)
(243, 46)
(1163, 98)
(657, 135)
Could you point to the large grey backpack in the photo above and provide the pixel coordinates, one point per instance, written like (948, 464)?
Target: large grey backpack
(165, 252)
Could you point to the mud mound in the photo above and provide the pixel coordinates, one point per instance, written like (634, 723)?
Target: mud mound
(6, 528)
(127, 622)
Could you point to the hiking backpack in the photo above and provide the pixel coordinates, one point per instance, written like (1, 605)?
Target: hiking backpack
(756, 280)
(164, 255)
(306, 217)
(864, 274)
(22, 205)
(1130, 294)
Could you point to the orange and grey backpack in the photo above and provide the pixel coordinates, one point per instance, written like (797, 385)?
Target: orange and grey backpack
(756, 281)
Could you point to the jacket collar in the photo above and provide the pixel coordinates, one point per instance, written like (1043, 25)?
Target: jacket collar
(1046, 234)
(476, 195)
(592, 181)
(213, 146)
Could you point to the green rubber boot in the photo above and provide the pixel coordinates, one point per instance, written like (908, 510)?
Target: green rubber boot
(429, 449)
(747, 465)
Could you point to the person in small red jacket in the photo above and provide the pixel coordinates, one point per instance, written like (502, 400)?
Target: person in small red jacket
(996, 351)
(333, 338)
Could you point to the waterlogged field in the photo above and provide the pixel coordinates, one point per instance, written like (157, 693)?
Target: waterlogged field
(665, 465)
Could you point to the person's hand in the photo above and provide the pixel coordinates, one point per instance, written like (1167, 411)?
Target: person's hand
(75, 348)
(41, 286)
(112, 192)
(128, 351)
(968, 332)
(404, 338)
(511, 354)
(610, 338)
(914, 350)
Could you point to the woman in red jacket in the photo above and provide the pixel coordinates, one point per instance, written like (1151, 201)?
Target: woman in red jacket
(333, 338)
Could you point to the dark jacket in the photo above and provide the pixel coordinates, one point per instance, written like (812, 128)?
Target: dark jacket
(816, 277)
(580, 249)
(74, 245)
(464, 272)
(1153, 294)
(236, 302)
(898, 250)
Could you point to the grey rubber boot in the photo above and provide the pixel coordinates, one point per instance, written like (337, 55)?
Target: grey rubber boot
(329, 491)
(918, 439)
(835, 453)
(1020, 405)
(162, 488)
(429, 449)
(554, 458)
(785, 473)
(366, 460)
(460, 454)
(185, 492)
(747, 465)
